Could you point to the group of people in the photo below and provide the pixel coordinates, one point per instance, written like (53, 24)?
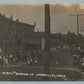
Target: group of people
(33, 56)
(7, 59)
(78, 57)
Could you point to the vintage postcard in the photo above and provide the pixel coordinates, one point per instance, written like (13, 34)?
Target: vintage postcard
(41, 42)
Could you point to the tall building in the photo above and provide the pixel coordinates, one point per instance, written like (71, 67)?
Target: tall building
(14, 34)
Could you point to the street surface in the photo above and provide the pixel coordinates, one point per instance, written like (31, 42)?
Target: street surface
(70, 73)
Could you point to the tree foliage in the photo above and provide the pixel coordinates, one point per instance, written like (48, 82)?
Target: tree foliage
(67, 39)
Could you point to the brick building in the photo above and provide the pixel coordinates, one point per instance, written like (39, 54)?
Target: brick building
(14, 34)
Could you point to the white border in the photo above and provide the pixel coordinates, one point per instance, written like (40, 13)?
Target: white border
(40, 2)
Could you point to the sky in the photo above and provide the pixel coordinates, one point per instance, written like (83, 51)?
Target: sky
(61, 19)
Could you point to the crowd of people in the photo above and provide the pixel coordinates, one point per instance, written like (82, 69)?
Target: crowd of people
(29, 57)
(78, 57)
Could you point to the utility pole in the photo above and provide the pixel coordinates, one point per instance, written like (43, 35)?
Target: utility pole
(77, 16)
(9, 44)
(78, 25)
(47, 41)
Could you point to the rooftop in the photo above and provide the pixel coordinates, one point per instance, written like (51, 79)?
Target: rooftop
(3, 17)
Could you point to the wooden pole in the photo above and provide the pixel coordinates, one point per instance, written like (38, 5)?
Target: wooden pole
(77, 24)
(47, 41)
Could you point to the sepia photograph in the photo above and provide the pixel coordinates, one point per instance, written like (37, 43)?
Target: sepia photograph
(41, 42)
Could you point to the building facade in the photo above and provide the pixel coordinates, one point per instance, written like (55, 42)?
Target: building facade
(14, 34)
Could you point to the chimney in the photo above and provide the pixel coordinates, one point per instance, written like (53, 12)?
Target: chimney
(11, 17)
(4, 15)
(17, 20)
(37, 30)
